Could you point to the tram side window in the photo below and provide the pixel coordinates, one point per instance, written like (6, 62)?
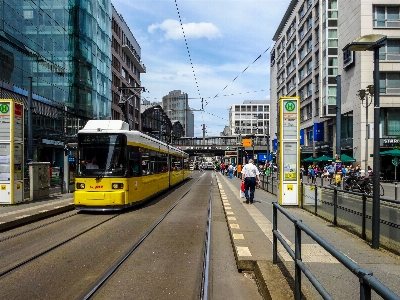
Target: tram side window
(146, 161)
(134, 161)
(153, 162)
(176, 163)
(186, 163)
(163, 162)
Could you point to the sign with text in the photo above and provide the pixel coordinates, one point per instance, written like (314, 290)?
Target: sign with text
(11, 151)
(247, 143)
(289, 146)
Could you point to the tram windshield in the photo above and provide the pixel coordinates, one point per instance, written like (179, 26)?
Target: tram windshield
(102, 155)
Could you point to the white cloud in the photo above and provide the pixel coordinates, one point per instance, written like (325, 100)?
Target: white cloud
(173, 30)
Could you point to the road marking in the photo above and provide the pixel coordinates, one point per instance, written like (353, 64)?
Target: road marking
(21, 217)
(238, 236)
(243, 251)
(234, 226)
(231, 218)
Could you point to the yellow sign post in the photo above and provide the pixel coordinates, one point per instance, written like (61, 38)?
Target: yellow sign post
(289, 142)
(11, 151)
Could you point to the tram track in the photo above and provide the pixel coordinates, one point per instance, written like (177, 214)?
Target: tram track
(112, 270)
(69, 259)
(9, 270)
(38, 227)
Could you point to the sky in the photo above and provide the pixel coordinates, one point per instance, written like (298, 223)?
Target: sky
(215, 50)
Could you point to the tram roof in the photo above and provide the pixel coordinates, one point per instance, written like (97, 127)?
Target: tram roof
(118, 126)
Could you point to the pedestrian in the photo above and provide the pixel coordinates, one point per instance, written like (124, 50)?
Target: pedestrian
(250, 177)
(302, 172)
(222, 168)
(230, 170)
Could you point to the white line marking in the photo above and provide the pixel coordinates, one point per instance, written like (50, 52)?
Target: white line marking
(243, 251)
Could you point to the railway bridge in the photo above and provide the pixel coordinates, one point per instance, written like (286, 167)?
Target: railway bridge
(223, 146)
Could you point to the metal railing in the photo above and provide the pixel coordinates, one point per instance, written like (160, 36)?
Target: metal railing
(367, 281)
(352, 211)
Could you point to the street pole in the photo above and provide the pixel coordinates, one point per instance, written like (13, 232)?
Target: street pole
(376, 160)
(366, 136)
(30, 121)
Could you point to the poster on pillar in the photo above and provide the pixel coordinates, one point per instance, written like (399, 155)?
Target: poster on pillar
(289, 147)
(11, 151)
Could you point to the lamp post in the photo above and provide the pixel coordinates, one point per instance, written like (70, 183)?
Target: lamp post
(373, 42)
(239, 131)
(363, 95)
(267, 138)
(254, 138)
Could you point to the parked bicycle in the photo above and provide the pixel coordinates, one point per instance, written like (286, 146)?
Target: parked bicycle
(354, 182)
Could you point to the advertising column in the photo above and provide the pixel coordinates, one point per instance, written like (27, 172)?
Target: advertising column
(289, 151)
(11, 151)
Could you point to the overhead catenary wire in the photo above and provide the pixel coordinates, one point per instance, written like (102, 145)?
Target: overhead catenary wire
(217, 95)
(187, 48)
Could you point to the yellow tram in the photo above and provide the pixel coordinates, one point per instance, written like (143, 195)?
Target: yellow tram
(119, 168)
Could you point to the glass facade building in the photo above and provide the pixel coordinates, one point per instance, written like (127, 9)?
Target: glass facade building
(65, 47)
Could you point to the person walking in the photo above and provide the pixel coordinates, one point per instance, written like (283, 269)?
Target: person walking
(250, 177)
(222, 168)
(230, 170)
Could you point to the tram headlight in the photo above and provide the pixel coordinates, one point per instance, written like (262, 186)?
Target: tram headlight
(117, 186)
(80, 186)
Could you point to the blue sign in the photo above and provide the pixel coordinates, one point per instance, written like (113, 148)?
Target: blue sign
(318, 132)
(301, 137)
(275, 144)
(262, 157)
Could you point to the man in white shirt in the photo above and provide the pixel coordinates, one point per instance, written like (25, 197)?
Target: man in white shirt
(250, 177)
(92, 164)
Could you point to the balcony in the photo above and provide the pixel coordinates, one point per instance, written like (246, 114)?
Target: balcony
(134, 58)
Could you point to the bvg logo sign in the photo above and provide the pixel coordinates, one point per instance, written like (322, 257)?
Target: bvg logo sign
(290, 106)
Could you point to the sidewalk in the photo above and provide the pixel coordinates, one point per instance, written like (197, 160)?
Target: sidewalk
(28, 211)
(250, 227)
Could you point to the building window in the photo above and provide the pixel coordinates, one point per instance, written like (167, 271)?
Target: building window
(391, 51)
(310, 136)
(389, 83)
(316, 105)
(386, 16)
(390, 121)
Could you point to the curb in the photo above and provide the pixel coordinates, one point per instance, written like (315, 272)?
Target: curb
(35, 217)
(270, 279)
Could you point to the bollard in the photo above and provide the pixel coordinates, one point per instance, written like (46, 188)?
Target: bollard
(395, 190)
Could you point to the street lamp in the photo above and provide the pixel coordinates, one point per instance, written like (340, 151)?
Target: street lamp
(373, 42)
(267, 138)
(254, 138)
(363, 95)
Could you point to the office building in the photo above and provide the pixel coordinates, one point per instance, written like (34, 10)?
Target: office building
(250, 119)
(176, 105)
(307, 58)
(126, 70)
(356, 68)
(65, 48)
(305, 43)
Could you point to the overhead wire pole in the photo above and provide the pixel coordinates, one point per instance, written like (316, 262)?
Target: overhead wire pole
(122, 100)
